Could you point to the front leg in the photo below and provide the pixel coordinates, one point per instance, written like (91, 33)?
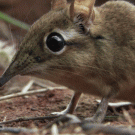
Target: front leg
(100, 113)
(102, 109)
(72, 105)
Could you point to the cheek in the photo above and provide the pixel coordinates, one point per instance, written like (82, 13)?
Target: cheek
(33, 68)
(39, 67)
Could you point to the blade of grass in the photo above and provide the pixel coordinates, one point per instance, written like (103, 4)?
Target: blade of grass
(14, 21)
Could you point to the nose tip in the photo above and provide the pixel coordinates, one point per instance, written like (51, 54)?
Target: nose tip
(4, 79)
(1, 82)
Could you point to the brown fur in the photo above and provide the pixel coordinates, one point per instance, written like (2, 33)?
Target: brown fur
(101, 59)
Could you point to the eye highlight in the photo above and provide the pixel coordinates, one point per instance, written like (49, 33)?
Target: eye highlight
(55, 43)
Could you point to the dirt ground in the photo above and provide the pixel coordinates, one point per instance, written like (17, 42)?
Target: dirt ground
(52, 101)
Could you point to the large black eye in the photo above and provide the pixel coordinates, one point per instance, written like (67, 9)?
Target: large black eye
(55, 42)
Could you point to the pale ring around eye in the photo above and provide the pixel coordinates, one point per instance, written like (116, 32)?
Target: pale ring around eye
(55, 43)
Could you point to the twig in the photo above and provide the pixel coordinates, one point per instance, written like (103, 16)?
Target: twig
(90, 128)
(118, 104)
(27, 87)
(29, 93)
(100, 128)
(17, 130)
(29, 118)
(54, 130)
(64, 118)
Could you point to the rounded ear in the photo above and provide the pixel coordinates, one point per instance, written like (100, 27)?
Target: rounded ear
(55, 4)
(82, 11)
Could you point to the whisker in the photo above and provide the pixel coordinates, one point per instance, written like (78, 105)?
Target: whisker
(50, 68)
(67, 72)
(79, 67)
(82, 67)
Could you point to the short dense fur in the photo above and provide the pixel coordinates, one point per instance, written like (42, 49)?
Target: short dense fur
(99, 58)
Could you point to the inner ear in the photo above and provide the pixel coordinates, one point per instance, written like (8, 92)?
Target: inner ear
(81, 27)
(79, 20)
(82, 12)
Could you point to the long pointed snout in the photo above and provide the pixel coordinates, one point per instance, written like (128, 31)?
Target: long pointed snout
(19, 65)
(8, 74)
(4, 79)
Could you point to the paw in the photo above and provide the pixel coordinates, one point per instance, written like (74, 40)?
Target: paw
(90, 120)
(68, 118)
(93, 120)
(59, 113)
